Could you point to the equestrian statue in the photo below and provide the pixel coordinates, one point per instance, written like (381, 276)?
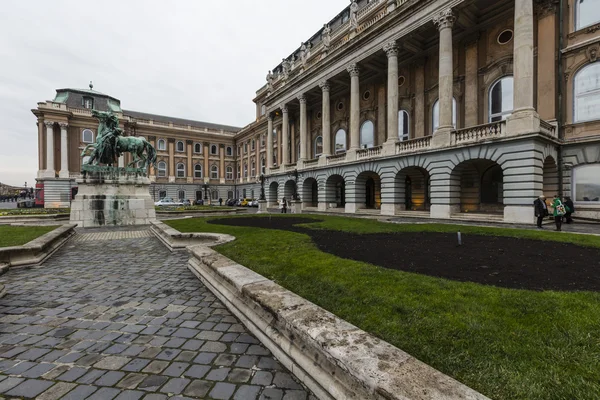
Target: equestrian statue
(111, 144)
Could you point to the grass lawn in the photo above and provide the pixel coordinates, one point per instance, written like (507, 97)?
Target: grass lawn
(19, 235)
(33, 211)
(505, 343)
(192, 208)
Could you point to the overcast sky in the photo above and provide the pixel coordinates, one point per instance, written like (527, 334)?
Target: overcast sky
(195, 59)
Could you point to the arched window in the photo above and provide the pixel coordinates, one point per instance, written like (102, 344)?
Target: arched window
(197, 171)
(213, 149)
(262, 165)
(230, 194)
(367, 135)
(586, 13)
(436, 114)
(162, 194)
(340, 141)
(215, 195)
(253, 144)
(87, 136)
(180, 146)
(181, 195)
(252, 168)
(214, 172)
(198, 148)
(162, 145)
(180, 170)
(162, 169)
(229, 173)
(403, 125)
(501, 99)
(274, 135)
(318, 146)
(245, 170)
(587, 93)
(229, 151)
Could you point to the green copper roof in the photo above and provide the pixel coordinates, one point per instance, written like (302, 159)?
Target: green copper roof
(61, 97)
(114, 106)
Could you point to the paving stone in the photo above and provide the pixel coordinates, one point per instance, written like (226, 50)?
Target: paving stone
(156, 396)
(156, 367)
(112, 362)
(258, 350)
(56, 372)
(131, 381)
(20, 368)
(88, 360)
(222, 391)
(213, 347)
(168, 354)
(116, 349)
(57, 391)
(269, 363)
(80, 392)
(129, 395)
(136, 365)
(197, 371)
(295, 395)
(225, 359)
(150, 352)
(70, 358)
(176, 369)
(218, 374)
(186, 356)
(205, 358)
(247, 392)
(105, 393)
(73, 374)
(7, 364)
(246, 361)
(175, 385)
(152, 382)
(30, 388)
(110, 378)
(198, 388)
(239, 348)
(239, 375)
(262, 378)
(209, 335)
(271, 394)
(38, 370)
(91, 376)
(192, 344)
(9, 383)
(285, 381)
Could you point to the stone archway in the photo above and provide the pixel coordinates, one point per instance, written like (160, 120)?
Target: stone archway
(310, 193)
(271, 194)
(367, 191)
(289, 189)
(479, 183)
(335, 192)
(414, 189)
(550, 178)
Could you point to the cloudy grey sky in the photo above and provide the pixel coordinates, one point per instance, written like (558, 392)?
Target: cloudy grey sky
(196, 59)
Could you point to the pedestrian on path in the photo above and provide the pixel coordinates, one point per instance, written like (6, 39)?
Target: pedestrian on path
(570, 208)
(284, 206)
(541, 210)
(559, 212)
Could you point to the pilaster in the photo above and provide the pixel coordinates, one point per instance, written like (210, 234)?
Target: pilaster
(354, 72)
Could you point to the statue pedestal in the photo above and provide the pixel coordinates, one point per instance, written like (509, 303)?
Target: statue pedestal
(115, 197)
(262, 207)
(296, 207)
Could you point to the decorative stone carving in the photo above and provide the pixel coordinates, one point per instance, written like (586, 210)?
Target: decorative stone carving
(326, 37)
(269, 117)
(593, 28)
(64, 125)
(152, 138)
(391, 49)
(354, 14)
(301, 99)
(592, 52)
(445, 19)
(49, 124)
(284, 108)
(270, 79)
(353, 69)
(325, 86)
(171, 140)
(285, 68)
(546, 7)
(189, 142)
(303, 54)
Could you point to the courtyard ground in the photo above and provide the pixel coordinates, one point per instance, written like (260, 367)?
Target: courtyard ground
(446, 306)
(114, 314)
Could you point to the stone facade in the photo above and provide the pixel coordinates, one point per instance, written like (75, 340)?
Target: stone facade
(488, 105)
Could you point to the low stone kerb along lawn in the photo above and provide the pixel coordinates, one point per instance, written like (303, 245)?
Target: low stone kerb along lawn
(19, 235)
(506, 343)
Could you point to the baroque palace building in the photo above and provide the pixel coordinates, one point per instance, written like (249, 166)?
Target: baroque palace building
(442, 107)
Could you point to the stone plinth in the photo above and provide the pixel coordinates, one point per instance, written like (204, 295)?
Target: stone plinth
(113, 198)
(262, 207)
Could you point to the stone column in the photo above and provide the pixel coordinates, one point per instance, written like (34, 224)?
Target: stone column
(391, 50)
(546, 66)
(206, 172)
(354, 71)
(269, 141)
(171, 160)
(285, 134)
(279, 147)
(471, 84)
(326, 119)
(419, 114)
(293, 152)
(40, 126)
(190, 161)
(303, 128)
(49, 150)
(524, 118)
(444, 22)
(248, 160)
(257, 155)
(64, 151)
(222, 163)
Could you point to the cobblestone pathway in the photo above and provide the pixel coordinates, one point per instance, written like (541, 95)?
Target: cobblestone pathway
(125, 319)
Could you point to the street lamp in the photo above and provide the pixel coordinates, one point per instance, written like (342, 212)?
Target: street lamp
(294, 174)
(206, 186)
(262, 179)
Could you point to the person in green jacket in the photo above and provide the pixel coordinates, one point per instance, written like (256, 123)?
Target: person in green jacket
(559, 212)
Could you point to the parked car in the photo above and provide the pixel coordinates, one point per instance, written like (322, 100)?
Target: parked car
(168, 202)
(231, 202)
(199, 202)
(246, 202)
(187, 202)
(254, 203)
(238, 202)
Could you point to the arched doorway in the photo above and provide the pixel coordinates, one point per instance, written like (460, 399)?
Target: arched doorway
(413, 189)
(289, 190)
(310, 193)
(272, 194)
(480, 184)
(368, 190)
(335, 192)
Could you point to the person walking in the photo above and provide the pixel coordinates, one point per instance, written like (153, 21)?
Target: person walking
(570, 208)
(559, 212)
(541, 210)
(220, 201)
(284, 206)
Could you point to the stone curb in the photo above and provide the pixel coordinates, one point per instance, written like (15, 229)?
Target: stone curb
(175, 240)
(37, 250)
(333, 358)
(9, 219)
(199, 213)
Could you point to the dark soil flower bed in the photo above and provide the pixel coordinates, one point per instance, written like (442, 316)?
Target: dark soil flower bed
(491, 260)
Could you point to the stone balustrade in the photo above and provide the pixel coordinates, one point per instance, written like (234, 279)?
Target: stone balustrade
(311, 163)
(368, 153)
(548, 129)
(477, 133)
(336, 159)
(413, 145)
